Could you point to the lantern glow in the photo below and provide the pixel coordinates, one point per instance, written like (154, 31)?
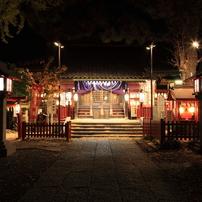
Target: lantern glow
(191, 109)
(181, 110)
(76, 97)
(1, 84)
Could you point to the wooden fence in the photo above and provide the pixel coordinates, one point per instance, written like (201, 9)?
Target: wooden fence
(44, 130)
(161, 130)
(144, 112)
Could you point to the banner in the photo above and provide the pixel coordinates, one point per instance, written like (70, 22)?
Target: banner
(35, 100)
(160, 103)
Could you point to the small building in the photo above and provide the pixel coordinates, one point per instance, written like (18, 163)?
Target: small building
(182, 104)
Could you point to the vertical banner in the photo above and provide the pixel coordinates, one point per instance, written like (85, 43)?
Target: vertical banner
(35, 100)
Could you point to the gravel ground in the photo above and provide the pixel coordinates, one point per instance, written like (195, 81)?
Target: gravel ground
(21, 170)
(183, 166)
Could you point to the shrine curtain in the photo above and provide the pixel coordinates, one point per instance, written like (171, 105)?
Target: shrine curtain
(114, 86)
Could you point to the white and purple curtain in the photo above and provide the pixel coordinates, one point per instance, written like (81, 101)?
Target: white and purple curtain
(114, 86)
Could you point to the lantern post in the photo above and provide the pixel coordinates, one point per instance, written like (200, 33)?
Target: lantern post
(198, 93)
(6, 85)
(59, 45)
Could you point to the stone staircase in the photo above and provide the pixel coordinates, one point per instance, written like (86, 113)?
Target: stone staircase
(106, 128)
(84, 111)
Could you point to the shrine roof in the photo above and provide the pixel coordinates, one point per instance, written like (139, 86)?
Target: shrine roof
(109, 62)
(183, 93)
(7, 72)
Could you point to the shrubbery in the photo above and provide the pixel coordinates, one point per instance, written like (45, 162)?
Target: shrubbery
(172, 144)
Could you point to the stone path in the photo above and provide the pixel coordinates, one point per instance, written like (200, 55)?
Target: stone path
(102, 170)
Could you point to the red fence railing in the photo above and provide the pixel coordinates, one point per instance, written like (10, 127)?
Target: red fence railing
(144, 112)
(66, 111)
(44, 130)
(161, 130)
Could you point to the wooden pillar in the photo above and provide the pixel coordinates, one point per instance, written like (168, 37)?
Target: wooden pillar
(91, 103)
(111, 97)
(6, 148)
(126, 109)
(75, 109)
(19, 116)
(101, 103)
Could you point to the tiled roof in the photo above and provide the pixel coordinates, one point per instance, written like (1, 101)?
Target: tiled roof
(5, 71)
(183, 93)
(105, 62)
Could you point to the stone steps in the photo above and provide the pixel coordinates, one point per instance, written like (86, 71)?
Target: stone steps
(84, 111)
(115, 128)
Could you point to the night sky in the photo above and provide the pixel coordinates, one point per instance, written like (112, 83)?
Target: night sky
(25, 46)
(28, 45)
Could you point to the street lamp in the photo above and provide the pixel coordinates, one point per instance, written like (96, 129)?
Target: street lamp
(195, 44)
(59, 45)
(151, 74)
(198, 95)
(6, 86)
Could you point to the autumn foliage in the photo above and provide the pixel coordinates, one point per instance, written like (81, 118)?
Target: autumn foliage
(49, 78)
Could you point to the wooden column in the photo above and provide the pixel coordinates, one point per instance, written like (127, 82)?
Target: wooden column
(91, 103)
(111, 97)
(101, 103)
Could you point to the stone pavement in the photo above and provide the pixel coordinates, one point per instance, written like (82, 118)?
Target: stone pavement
(102, 170)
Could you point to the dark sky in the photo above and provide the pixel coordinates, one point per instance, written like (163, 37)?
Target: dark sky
(27, 45)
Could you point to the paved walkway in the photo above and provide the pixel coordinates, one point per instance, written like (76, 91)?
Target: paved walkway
(102, 170)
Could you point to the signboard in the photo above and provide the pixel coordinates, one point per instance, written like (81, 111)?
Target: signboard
(51, 105)
(133, 111)
(160, 103)
(35, 100)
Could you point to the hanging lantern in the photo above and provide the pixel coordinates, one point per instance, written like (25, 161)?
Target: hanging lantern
(76, 97)
(126, 97)
(6, 85)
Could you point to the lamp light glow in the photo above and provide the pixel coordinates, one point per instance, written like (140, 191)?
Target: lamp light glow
(195, 44)
(178, 82)
(181, 110)
(76, 97)
(17, 108)
(191, 109)
(1, 84)
(126, 97)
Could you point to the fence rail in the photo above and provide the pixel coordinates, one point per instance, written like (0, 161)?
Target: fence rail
(144, 112)
(44, 130)
(161, 130)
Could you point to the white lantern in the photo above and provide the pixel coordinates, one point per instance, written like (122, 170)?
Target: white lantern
(76, 97)
(126, 97)
(6, 85)
(17, 108)
(1, 83)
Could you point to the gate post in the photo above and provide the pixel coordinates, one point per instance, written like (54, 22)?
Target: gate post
(68, 130)
(23, 130)
(162, 126)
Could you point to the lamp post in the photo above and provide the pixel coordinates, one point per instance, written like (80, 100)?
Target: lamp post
(151, 75)
(59, 45)
(198, 95)
(6, 148)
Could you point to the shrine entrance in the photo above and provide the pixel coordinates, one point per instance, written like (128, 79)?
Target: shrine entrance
(101, 99)
(100, 104)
